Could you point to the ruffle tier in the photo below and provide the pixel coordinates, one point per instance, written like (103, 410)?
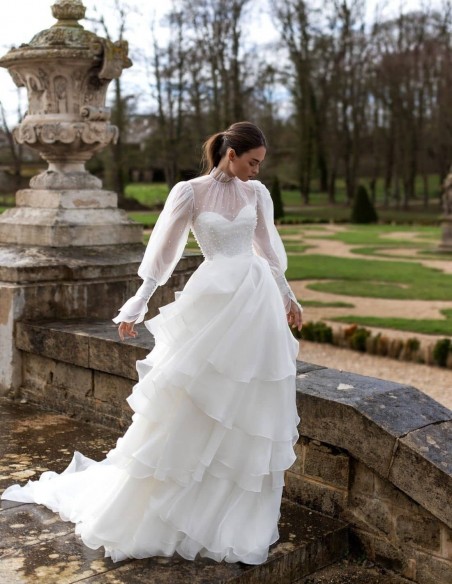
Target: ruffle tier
(201, 468)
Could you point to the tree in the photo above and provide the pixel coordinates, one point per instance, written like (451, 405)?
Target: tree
(116, 157)
(363, 211)
(275, 192)
(15, 149)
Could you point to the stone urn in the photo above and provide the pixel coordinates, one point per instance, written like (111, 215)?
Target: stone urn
(66, 71)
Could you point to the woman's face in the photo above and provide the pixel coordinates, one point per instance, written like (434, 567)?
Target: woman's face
(246, 166)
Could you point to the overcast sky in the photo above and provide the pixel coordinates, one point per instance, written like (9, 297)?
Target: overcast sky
(24, 18)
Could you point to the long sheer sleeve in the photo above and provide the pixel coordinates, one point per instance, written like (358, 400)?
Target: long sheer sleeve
(165, 247)
(267, 243)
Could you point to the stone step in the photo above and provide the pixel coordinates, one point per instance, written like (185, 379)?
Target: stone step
(38, 547)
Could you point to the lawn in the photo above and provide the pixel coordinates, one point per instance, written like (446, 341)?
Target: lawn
(414, 325)
(371, 278)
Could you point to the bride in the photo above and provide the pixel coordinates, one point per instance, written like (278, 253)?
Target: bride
(201, 468)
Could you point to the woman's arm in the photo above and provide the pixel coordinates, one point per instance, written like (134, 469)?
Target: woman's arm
(267, 243)
(164, 249)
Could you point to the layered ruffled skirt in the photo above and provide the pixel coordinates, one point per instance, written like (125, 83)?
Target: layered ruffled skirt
(201, 468)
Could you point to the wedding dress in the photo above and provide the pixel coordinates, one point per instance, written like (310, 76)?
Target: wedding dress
(201, 468)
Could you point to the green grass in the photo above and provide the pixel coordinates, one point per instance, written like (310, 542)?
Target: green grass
(413, 325)
(371, 278)
(146, 218)
(377, 235)
(420, 254)
(148, 194)
(294, 247)
(320, 304)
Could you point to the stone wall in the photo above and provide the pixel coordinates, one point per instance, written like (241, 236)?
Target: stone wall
(378, 455)
(386, 525)
(39, 283)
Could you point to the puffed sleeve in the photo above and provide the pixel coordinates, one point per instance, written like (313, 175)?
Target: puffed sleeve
(267, 243)
(164, 249)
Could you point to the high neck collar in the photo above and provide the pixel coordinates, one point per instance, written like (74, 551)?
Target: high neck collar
(220, 176)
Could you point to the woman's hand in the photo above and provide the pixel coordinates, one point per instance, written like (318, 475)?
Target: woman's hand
(294, 316)
(125, 330)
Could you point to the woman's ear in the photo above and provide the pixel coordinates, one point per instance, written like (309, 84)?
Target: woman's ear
(231, 154)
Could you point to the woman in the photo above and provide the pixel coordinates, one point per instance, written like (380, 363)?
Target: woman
(201, 468)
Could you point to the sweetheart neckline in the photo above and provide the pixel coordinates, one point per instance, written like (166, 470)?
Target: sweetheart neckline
(222, 216)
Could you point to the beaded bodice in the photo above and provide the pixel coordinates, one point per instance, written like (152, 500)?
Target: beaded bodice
(217, 235)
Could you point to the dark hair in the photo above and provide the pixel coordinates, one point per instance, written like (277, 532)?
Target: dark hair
(241, 137)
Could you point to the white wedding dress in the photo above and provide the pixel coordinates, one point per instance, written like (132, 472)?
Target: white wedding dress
(201, 468)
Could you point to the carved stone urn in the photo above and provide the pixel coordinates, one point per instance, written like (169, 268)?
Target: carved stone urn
(66, 71)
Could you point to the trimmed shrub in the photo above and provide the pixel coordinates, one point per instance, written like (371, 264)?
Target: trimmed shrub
(372, 344)
(395, 348)
(383, 346)
(358, 339)
(363, 210)
(441, 352)
(275, 193)
(318, 332)
(413, 345)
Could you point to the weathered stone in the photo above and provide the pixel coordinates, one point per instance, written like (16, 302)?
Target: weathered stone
(363, 415)
(422, 468)
(419, 529)
(30, 525)
(362, 478)
(432, 570)
(297, 467)
(109, 355)
(353, 571)
(315, 495)
(446, 542)
(31, 439)
(38, 371)
(385, 554)
(327, 464)
(385, 490)
(69, 284)
(111, 388)
(375, 514)
(67, 227)
(303, 367)
(60, 345)
(78, 199)
(343, 426)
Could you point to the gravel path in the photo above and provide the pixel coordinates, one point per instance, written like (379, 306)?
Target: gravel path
(434, 381)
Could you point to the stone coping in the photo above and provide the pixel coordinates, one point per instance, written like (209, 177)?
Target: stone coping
(396, 430)
(22, 264)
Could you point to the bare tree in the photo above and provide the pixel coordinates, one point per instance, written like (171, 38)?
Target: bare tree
(118, 167)
(15, 149)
